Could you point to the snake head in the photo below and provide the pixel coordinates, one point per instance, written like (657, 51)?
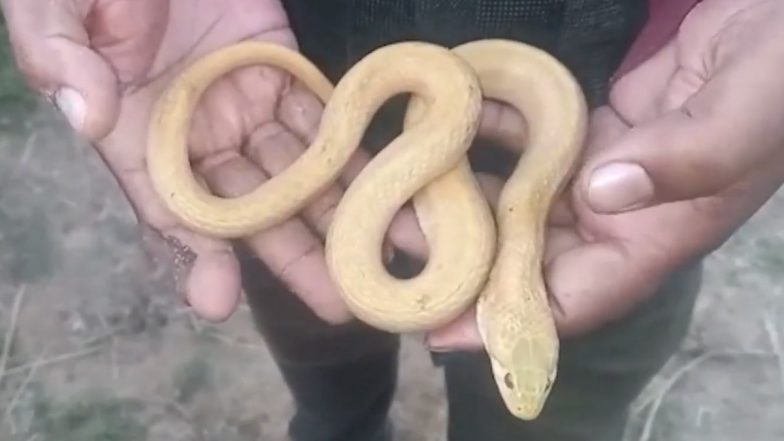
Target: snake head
(526, 380)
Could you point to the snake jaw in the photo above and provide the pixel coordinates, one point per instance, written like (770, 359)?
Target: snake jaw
(525, 382)
(525, 367)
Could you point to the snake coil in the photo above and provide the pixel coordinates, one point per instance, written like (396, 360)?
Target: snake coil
(471, 260)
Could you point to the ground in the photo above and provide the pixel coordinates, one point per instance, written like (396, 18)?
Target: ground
(94, 347)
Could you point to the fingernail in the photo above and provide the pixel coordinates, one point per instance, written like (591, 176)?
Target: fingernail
(436, 343)
(73, 106)
(618, 187)
(445, 348)
(437, 348)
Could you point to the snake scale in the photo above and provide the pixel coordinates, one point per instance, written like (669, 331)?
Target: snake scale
(477, 255)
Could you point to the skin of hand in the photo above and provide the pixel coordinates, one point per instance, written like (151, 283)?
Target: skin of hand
(689, 148)
(103, 63)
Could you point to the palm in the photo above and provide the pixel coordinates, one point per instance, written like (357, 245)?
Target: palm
(249, 125)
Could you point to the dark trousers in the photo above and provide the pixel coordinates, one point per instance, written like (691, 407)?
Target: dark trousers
(343, 378)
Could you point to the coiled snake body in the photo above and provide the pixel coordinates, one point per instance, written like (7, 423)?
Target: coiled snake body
(470, 260)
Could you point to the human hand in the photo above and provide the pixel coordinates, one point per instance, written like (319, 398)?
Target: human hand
(688, 149)
(103, 63)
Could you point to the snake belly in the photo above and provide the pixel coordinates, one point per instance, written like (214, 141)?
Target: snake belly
(470, 258)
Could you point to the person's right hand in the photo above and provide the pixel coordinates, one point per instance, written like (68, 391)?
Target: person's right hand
(103, 63)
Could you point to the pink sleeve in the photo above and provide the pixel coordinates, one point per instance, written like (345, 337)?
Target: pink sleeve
(664, 18)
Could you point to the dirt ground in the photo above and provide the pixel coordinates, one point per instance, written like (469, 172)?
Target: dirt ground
(101, 351)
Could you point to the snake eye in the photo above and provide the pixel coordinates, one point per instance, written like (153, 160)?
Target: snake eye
(508, 381)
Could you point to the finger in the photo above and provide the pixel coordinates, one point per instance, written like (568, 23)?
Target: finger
(605, 126)
(220, 121)
(491, 186)
(53, 52)
(648, 246)
(561, 213)
(559, 241)
(300, 112)
(405, 232)
(637, 103)
(112, 34)
(499, 124)
(242, 103)
(711, 141)
(506, 127)
(503, 125)
(462, 334)
(233, 107)
(587, 299)
(206, 270)
(274, 149)
(644, 248)
(290, 250)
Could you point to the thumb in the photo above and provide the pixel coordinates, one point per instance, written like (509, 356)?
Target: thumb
(700, 147)
(52, 50)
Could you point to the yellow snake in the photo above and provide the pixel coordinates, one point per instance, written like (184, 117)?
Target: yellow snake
(470, 260)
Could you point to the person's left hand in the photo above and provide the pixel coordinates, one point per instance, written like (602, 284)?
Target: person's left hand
(690, 147)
